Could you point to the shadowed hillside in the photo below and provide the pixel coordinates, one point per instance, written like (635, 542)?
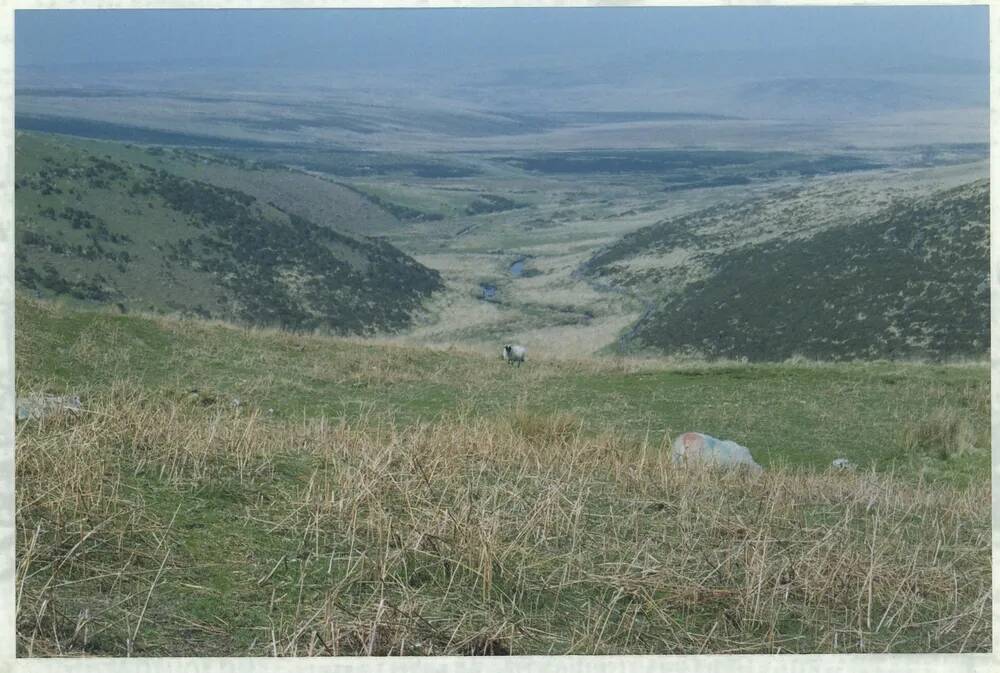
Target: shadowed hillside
(910, 280)
(98, 229)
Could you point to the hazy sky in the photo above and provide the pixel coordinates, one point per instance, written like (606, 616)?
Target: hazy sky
(892, 36)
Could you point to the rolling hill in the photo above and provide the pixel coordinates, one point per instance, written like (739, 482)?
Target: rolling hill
(313, 491)
(106, 228)
(906, 279)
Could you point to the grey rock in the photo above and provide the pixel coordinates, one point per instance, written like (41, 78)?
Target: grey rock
(692, 447)
(843, 464)
(42, 405)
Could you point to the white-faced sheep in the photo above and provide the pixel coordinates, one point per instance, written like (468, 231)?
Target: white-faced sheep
(514, 354)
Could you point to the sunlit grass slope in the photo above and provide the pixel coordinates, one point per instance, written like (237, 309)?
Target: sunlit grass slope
(363, 498)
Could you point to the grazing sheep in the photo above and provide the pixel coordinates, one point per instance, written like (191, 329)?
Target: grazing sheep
(514, 354)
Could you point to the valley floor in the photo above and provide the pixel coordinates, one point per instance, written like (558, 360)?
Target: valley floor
(549, 304)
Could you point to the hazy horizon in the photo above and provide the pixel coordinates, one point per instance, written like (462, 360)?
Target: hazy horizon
(882, 36)
(923, 71)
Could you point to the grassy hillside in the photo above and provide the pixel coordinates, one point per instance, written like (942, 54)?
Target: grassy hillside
(103, 229)
(312, 196)
(907, 280)
(911, 282)
(689, 169)
(363, 498)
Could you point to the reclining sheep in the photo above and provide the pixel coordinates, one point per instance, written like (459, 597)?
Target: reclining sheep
(514, 354)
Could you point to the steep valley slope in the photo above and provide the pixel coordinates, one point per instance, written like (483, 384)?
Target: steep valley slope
(818, 272)
(96, 228)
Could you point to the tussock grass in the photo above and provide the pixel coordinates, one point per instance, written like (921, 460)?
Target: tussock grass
(553, 429)
(946, 432)
(155, 526)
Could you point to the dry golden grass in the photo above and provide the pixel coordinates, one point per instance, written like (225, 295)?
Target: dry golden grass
(153, 526)
(946, 432)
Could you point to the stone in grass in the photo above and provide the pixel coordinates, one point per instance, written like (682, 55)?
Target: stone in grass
(42, 405)
(698, 447)
(202, 397)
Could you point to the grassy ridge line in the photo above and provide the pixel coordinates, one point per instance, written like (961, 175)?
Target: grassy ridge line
(877, 415)
(149, 526)
(400, 212)
(307, 194)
